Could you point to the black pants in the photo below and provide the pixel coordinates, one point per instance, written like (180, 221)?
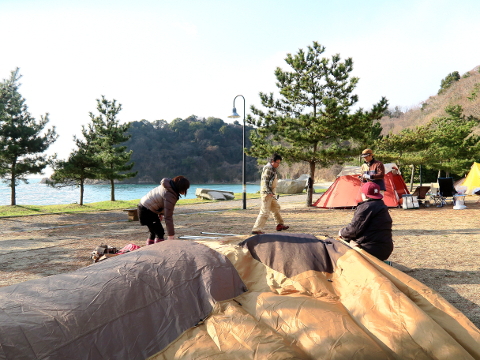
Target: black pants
(151, 220)
(380, 251)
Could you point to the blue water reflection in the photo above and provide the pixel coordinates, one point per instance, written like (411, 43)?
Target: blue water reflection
(35, 193)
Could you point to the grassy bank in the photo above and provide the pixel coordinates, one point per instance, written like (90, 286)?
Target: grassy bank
(25, 210)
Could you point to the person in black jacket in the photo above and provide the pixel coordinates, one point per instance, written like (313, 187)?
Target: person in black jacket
(371, 226)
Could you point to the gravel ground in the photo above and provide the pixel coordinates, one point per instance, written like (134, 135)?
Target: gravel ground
(437, 246)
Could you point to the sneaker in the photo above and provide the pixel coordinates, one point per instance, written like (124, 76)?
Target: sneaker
(257, 232)
(150, 242)
(157, 240)
(281, 227)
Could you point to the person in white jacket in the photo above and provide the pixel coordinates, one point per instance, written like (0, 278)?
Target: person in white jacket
(159, 203)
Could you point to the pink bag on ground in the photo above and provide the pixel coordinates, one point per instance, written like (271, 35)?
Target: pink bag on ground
(128, 248)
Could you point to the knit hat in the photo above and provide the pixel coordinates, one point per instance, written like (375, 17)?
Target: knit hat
(371, 190)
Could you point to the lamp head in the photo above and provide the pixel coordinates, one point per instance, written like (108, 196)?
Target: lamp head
(234, 114)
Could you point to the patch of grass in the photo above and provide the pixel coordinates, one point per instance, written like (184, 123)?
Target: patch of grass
(25, 210)
(239, 196)
(317, 191)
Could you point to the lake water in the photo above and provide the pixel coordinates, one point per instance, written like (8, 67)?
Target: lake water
(35, 193)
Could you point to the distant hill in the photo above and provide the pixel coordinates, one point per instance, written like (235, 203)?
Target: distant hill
(204, 150)
(464, 92)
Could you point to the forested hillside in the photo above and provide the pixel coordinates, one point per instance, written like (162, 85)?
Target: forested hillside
(454, 89)
(442, 134)
(204, 150)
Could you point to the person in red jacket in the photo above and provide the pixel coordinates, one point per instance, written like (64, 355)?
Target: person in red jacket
(158, 204)
(372, 170)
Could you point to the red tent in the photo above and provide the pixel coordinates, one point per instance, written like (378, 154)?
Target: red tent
(345, 191)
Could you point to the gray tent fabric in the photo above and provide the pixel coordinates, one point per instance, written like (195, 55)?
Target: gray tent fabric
(292, 254)
(127, 307)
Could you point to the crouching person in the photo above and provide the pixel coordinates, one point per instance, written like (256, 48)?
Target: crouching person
(371, 226)
(159, 204)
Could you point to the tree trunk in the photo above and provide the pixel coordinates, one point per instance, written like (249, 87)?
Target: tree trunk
(411, 177)
(12, 187)
(310, 183)
(112, 193)
(81, 192)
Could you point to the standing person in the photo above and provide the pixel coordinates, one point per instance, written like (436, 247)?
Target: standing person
(268, 184)
(158, 204)
(371, 226)
(372, 169)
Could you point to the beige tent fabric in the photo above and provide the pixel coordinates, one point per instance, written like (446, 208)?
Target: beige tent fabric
(403, 321)
(450, 319)
(230, 333)
(365, 309)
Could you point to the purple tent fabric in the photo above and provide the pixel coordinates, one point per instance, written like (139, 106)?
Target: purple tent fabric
(127, 307)
(292, 254)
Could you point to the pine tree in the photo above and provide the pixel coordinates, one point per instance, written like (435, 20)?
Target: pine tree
(109, 133)
(22, 140)
(82, 164)
(449, 80)
(311, 121)
(455, 144)
(446, 143)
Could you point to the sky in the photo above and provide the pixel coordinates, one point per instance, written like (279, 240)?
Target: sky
(171, 59)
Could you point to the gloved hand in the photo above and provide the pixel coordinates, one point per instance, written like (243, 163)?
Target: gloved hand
(171, 237)
(366, 176)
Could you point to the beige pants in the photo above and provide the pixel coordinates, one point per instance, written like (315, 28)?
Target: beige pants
(269, 204)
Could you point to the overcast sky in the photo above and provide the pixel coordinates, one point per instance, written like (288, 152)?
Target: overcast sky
(166, 59)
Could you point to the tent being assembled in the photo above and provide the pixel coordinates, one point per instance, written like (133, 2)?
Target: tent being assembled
(472, 181)
(307, 298)
(127, 307)
(345, 190)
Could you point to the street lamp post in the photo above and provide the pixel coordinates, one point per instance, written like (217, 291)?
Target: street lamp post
(235, 115)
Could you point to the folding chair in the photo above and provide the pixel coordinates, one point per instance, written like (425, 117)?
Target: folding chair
(434, 199)
(446, 190)
(421, 193)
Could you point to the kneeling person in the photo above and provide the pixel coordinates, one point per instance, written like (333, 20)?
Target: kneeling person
(371, 226)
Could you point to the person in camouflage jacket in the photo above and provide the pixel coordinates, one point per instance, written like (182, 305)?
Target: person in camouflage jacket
(268, 184)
